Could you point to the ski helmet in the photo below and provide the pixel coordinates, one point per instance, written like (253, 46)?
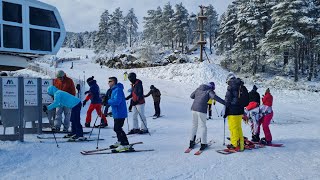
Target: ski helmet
(230, 76)
(132, 77)
(212, 85)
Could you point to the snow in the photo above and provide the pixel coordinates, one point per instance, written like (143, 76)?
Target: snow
(296, 124)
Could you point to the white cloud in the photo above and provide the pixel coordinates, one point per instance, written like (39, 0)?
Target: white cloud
(84, 15)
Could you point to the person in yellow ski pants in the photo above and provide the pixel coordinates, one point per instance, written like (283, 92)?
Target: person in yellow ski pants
(236, 135)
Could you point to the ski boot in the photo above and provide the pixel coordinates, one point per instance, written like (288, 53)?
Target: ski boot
(122, 148)
(87, 124)
(143, 131)
(255, 138)
(115, 145)
(69, 135)
(134, 131)
(203, 147)
(265, 142)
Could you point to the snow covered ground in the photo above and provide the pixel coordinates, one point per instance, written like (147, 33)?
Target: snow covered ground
(296, 124)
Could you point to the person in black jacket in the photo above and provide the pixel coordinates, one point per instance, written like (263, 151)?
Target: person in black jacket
(254, 96)
(156, 95)
(105, 102)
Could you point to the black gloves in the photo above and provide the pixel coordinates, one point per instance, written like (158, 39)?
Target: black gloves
(127, 98)
(86, 92)
(44, 108)
(84, 103)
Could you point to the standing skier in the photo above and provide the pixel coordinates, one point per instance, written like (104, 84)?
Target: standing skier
(267, 113)
(105, 102)
(94, 96)
(117, 102)
(138, 104)
(156, 95)
(252, 113)
(199, 111)
(64, 99)
(234, 111)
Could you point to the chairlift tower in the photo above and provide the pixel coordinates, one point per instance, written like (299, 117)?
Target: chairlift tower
(201, 42)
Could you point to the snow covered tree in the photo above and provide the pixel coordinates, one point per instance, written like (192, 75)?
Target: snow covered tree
(103, 34)
(180, 25)
(151, 25)
(211, 24)
(193, 26)
(131, 22)
(166, 26)
(118, 32)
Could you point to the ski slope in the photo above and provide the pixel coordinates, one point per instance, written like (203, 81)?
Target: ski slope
(296, 124)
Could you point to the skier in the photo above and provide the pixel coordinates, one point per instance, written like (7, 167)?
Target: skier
(64, 99)
(156, 95)
(210, 102)
(94, 96)
(63, 83)
(199, 111)
(267, 113)
(138, 104)
(252, 113)
(234, 112)
(125, 76)
(117, 102)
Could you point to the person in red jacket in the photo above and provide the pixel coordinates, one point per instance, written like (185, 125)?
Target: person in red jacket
(63, 83)
(267, 113)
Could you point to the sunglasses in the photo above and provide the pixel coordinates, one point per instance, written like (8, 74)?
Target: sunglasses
(110, 81)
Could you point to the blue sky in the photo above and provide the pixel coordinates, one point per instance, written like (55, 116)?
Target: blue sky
(84, 15)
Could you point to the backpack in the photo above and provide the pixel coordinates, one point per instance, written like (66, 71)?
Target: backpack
(243, 95)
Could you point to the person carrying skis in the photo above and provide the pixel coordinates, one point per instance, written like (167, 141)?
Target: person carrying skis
(234, 111)
(138, 104)
(64, 99)
(156, 95)
(252, 113)
(267, 112)
(63, 83)
(94, 96)
(117, 102)
(201, 97)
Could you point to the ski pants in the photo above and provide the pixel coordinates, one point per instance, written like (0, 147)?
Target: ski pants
(201, 119)
(75, 120)
(236, 135)
(157, 108)
(138, 110)
(96, 107)
(121, 135)
(265, 121)
(67, 114)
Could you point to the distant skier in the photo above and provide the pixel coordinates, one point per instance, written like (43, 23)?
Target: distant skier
(64, 99)
(138, 104)
(119, 109)
(210, 102)
(267, 113)
(94, 96)
(201, 97)
(125, 76)
(156, 95)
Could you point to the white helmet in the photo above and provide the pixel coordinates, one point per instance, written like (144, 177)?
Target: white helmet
(230, 76)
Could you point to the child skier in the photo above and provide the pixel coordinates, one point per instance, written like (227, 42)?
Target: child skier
(156, 95)
(267, 113)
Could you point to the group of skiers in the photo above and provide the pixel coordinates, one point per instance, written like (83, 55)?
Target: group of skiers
(65, 101)
(239, 104)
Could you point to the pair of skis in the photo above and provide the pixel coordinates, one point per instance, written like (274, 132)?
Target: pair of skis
(100, 151)
(199, 152)
(68, 140)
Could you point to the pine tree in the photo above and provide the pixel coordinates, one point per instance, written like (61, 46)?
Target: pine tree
(180, 25)
(103, 35)
(211, 24)
(166, 26)
(131, 22)
(118, 33)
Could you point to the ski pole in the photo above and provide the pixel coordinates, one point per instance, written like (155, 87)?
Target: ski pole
(216, 110)
(53, 132)
(93, 126)
(224, 131)
(142, 120)
(99, 130)
(128, 119)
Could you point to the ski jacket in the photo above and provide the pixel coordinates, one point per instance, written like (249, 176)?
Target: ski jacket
(267, 99)
(94, 93)
(62, 99)
(117, 102)
(254, 96)
(201, 97)
(156, 95)
(137, 93)
(233, 106)
(66, 85)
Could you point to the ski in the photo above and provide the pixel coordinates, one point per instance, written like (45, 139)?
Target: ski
(201, 151)
(270, 145)
(116, 152)
(197, 141)
(59, 132)
(40, 137)
(104, 149)
(226, 151)
(154, 117)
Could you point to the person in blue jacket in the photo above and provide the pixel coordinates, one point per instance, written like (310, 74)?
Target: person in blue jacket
(117, 102)
(64, 99)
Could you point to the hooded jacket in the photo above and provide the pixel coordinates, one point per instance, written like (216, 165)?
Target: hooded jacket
(62, 99)
(117, 102)
(201, 97)
(233, 106)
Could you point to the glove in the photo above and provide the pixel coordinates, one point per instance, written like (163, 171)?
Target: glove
(84, 103)
(127, 98)
(86, 92)
(44, 108)
(245, 119)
